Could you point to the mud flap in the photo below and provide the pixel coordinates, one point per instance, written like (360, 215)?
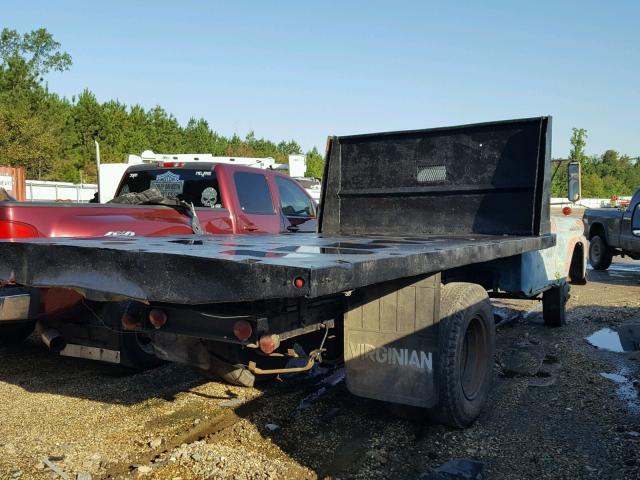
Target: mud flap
(391, 340)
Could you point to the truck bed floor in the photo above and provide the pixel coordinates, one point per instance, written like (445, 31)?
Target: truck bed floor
(213, 269)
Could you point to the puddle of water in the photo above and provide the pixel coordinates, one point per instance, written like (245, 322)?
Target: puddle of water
(614, 377)
(625, 338)
(625, 389)
(606, 339)
(621, 267)
(329, 250)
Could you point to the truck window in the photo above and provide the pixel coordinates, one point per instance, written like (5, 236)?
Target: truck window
(293, 201)
(253, 193)
(199, 187)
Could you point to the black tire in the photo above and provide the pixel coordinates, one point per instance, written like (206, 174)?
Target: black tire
(464, 367)
(577, 270)
(461, 305)
(600, 254)
(15, 333)
(554, 305)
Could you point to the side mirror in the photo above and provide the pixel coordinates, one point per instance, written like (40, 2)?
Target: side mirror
(574, 186)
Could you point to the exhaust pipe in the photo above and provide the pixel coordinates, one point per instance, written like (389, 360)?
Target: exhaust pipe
(51, 338)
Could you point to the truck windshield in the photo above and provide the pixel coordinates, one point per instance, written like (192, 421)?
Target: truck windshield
(199, 187)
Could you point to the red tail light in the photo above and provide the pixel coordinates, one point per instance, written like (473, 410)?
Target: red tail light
(298, 282)
(172, 164)
(242, 330)
(11, 229)
(566, 210)
(129, 322)
(157, 318)
(269, 343)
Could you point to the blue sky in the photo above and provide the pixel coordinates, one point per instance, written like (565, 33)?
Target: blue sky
(304, 70)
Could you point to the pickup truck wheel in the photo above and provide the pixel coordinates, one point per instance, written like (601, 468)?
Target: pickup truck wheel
(14, 333)
(464, 366)
(554, 305)
(600, 255)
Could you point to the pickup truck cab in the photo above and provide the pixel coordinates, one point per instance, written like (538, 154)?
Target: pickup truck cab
(612, 232)
(227, 199)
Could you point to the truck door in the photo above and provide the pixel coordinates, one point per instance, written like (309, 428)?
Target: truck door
(630, 229)
(630, 226)
(256, 212)
(296, 206)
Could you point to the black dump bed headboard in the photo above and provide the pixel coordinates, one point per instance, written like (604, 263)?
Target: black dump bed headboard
(487, 178)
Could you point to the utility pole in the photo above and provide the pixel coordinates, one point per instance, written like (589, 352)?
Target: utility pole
(98, 167)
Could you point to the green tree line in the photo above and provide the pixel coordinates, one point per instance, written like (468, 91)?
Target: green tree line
(53, 137)
(603, 176)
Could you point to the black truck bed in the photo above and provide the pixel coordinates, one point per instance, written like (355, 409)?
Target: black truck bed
(212, 269)
(394, 205)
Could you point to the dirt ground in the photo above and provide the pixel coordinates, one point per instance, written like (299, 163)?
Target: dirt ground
(567, 420)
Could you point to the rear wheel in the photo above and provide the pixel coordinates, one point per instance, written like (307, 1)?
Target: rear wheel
(554, 305)
(15, 332)
(466, 345)
(600, 255)
(464, 365)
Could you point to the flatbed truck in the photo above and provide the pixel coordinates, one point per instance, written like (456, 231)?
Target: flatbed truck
(417, 229)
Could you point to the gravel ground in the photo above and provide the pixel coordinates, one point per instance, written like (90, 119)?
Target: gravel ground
(565, 421)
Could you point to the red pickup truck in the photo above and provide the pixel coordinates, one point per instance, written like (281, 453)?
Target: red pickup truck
(226, 199)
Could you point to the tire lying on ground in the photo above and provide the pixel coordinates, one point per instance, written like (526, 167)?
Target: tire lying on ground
(464, 363)
(15, 332)
(600, 255)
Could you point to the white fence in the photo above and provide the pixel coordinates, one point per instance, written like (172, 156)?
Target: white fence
(583, 202)
(43, 191)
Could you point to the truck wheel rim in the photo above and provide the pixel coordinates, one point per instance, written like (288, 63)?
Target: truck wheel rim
(473, 364)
